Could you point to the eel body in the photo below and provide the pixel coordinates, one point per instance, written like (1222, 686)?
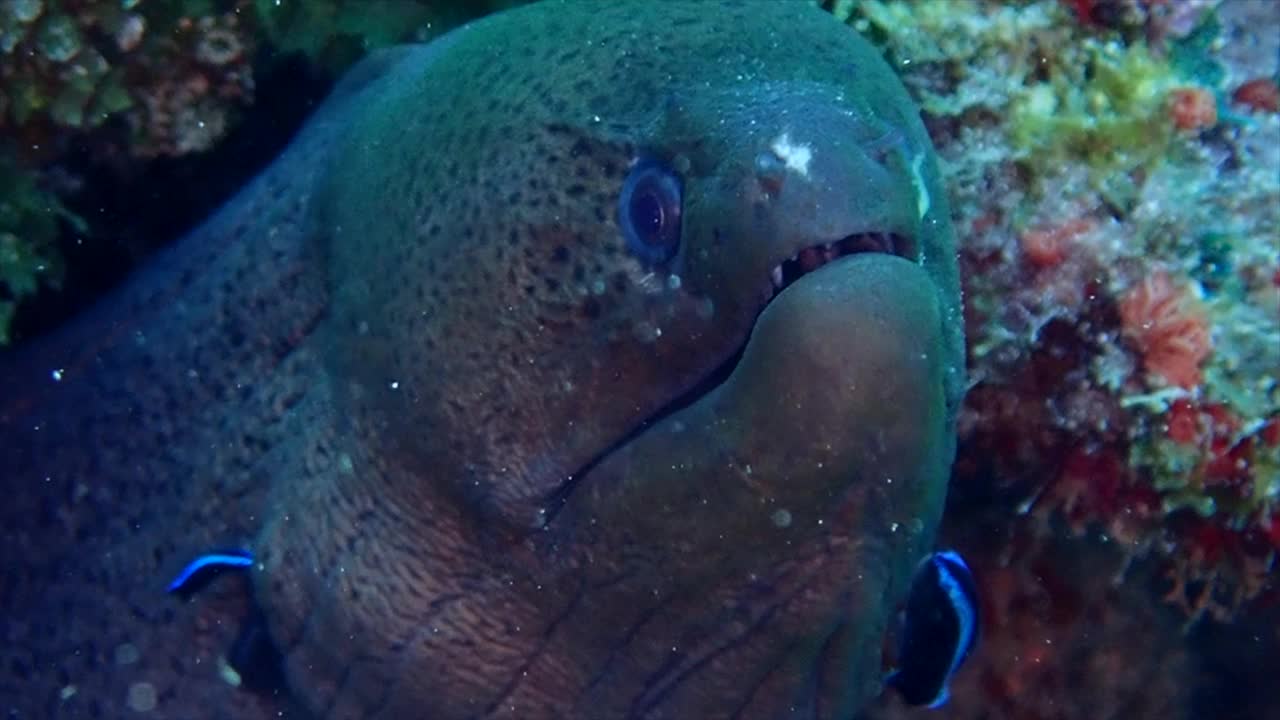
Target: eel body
(490, 459)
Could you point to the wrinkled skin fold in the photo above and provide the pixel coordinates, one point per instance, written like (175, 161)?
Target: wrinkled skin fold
(490, 462)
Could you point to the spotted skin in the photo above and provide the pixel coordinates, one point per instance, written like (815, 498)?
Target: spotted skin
(414, 368)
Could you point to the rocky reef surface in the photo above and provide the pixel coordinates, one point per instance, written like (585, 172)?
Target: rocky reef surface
(1115, 175)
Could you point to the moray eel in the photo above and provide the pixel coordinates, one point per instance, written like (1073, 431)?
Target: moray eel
(494, 453)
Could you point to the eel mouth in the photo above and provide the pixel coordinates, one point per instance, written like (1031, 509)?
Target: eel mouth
(781, 276)
(812, 257)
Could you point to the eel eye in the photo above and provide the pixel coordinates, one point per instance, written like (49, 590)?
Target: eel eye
(649, 211)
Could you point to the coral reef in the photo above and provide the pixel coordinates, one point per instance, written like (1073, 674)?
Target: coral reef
(179, 71)
(134, 79)
(1115, 173)
(337, 32)
(1059, 632)
(29, 228)
(1119, 215)
(147, 81)
(176, 72)
(1070, 633)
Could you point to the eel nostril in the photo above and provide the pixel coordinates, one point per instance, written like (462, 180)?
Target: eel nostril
(770, 172)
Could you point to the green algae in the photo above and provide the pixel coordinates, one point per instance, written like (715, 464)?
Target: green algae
(30, 220)
(68, 68)
(58, 39)
(1192, 56)
(335, 33)
(1061, 97)
(1109, 109)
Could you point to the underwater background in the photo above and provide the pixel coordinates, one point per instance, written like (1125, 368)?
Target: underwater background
(1114, 170)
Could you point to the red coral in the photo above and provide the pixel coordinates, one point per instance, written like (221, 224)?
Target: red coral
(1048, 246)
(1169, 329)
(1229, 457)
(1213, 428)
(1272, 528)
(1260, 94)
(1182, 423)
(1270, 432)
(1193, 108)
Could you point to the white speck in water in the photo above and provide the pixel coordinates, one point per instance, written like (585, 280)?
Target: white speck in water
(142, 697)
(646, 331)
(56, 374)
(67, 692)
(673, 282)
(893, 527)
(782, 518)
(126, 654)
(395, 385)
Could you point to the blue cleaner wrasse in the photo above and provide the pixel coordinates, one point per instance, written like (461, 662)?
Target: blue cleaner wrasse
(939, 629)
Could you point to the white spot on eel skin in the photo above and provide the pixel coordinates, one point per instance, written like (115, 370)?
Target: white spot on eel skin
(796, 157)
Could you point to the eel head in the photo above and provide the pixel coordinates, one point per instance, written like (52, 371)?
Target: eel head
(643, 351)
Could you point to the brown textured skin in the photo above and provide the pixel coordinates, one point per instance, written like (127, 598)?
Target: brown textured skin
(379, 366)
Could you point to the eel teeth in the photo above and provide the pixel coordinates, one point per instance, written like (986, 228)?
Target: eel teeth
(808, 259)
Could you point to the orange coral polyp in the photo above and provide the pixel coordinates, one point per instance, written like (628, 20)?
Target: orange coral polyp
(1168, 327)
(1047, 247)
(1182, 423)
(1193, 108)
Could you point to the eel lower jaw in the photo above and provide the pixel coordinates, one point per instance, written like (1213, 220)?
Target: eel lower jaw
(782, 275)
(785, 492)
